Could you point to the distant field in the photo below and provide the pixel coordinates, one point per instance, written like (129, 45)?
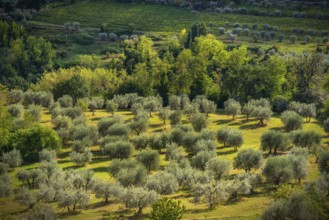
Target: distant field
(248, 207)
(161, 22)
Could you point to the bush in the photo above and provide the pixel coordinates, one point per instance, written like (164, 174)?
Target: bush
(81, 158)
(16, 110)
(168, 209)
(280, 38)
(175, 117)
(105, 123)
(111, 106)
(119, 130)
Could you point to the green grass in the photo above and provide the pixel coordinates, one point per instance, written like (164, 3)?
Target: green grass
(248, 207)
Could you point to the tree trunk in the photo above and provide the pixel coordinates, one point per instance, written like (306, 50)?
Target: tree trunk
(106, 199)
(140, 209)
(74, 207)
(299, 180)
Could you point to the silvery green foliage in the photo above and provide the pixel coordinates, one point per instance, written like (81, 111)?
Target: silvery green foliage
(119, 129)
(141, 142)
(162, 183)
(152, 104)
(218, 168)
(71, 198)
(173, 152)
(135, 176)
(45, 99)
(248, 159)
(139, 124)
(105, 123)
(47, 155)
(159, 141)
(82, 157)
(299, 167)
(12, 158)
(72, 112)
(200, 160)
(191, 109)
(150, 159)
(175, 102)
(138, 197)
(30, 178)
(119, 149)
(3, 168)
(291, 120)
(199, 122)
(232, 107)
(107, 190)
(113, 36)
(16, 110)
(65, 101)
(206, 106)
(5, 185)
(278, 170)
(35, 111)
(164, 114)
(323, 183)
(298, 151)
(41, 211)
(206, 192)
(276, 210)
(274, 140)
(80, 132)
(15, 96)
(203, 145)
(111, 106)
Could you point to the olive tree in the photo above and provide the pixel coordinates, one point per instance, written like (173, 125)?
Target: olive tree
(106, 190)
(119, 129)
(83, 157)
(12, 159)
(200, 159)
(16, 110)
(141, 142)
(291, 120)
(175, 118)
(5, 183)
(164, 114)
(307, 139)
(262, 114)
(232, 107)
(326, 125)
(119, 149)
(191, 109)
(308, 111)
(168, 209)
(34, 111)
(65, 101)
(139, 125)
(248, 159)
(95, 103)
(111, 107)
(199, 122)
(247, 110)
(105, 123)
(138, 197)
(47, 155)
(175, 102)
(70, 199)
(218, 168)
(234, 139)
(274, 140)
(222, 135)
(278, 170)
(323, 162)
(162, 183)
(150, 159)
(299, 167)
(15, 96)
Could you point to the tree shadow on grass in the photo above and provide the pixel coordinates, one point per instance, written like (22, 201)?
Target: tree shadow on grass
(277, 129)
(223, 121)
(156, 125)
(228, 151)
(249, 126)
(100, 169)
(96, 118)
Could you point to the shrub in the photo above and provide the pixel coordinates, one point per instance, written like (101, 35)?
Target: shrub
(236, 25)
(119, 130)
(169, 209)
(175, 118)
(65, 101)
(111, 106)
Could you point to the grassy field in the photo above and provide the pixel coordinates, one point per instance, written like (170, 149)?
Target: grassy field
(248, 207)
(161, 22)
